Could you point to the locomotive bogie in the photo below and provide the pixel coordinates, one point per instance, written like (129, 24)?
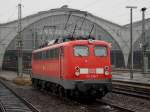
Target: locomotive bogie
(74, 88)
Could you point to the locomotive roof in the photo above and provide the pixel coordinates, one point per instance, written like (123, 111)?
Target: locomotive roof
(74, 42)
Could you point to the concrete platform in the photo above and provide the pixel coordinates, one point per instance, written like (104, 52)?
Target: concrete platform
(137, 77)
(10, 75)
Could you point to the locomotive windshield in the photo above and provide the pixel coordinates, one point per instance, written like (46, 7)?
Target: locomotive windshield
(81, 51)
(100, 51)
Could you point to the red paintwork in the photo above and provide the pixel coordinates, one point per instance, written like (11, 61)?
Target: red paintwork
(64, 67)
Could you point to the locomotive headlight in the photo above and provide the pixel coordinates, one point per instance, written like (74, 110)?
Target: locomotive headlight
(106, 73)
(77, 73)
(106, 67)
(106, 70)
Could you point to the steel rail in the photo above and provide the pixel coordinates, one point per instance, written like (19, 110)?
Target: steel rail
(114, 106)
(2, 108)
(29, 105)
(139, 90)
(131, 93)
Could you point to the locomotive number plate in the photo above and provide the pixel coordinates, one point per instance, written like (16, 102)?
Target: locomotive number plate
(92, 71)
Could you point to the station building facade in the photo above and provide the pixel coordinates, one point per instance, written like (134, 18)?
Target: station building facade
(55, 23)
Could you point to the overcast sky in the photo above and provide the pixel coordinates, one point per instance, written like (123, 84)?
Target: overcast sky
(112, 10)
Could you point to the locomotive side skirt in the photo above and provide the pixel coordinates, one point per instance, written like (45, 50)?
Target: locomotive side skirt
(82, 85)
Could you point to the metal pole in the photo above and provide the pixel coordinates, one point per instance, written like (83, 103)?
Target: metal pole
(131, 41)
(143, 39)
(19, 42)
(131, 76)
(34, 38)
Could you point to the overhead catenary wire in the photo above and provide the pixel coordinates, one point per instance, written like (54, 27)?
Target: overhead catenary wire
(93, 3)
(5, 37)
(10, 17)
(90, 4)
(136, 13)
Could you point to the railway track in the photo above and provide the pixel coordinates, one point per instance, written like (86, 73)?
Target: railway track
(116, 107)
(135, 89)
(12, 102)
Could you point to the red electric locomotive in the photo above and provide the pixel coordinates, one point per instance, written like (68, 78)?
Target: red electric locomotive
(76, 68)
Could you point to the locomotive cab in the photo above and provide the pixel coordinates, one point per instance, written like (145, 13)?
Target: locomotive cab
(88, 66)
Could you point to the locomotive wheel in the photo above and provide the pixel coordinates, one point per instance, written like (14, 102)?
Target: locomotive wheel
(47, 86)
(54, 89)
(34, 83)
(39, 84)
(67, 93)
(43, 84)
(61, 91)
